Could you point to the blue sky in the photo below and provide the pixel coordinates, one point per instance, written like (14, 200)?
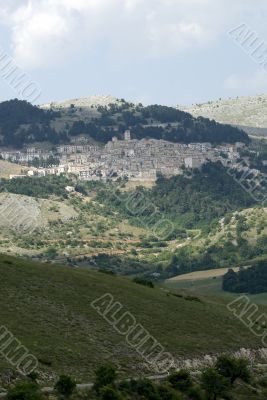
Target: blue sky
(151, 51)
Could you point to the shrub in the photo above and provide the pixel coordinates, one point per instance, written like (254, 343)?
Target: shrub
(25, 390)
(144, 282)
(33, 376)
(233, 368)
(181, 380)
(143, 389)
(167, 393)
(105, 376)
(262, 382)
(109, 393)
(65, 386)
(214, 384)
(106, 271)
(194, 393)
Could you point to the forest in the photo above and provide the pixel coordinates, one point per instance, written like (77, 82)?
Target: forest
(37, 187)
(189, 201)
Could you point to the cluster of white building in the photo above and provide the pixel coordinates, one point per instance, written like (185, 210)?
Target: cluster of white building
(27, 156)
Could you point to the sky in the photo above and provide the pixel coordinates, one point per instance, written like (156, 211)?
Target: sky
(150, 51)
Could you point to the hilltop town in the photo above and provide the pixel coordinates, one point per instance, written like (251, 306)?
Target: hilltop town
(137, 160)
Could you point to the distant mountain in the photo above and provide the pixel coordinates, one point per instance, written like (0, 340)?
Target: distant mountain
(98, 119)
(249, 113)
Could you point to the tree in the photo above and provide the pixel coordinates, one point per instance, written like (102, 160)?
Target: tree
(65, 386)
(105, 375)
(181, 380)
(24, 390)
(195, 393)
(167, 393)
(109, 393)
(33, 376)
(214, 384)
(143, 389)
(233, 368)
(251, 280)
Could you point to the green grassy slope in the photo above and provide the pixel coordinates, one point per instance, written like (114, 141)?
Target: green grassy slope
(47, 307)
(211, 287)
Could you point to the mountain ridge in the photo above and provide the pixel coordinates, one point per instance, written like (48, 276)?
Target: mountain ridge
(84, 102)
(244, 111)
(21, 123)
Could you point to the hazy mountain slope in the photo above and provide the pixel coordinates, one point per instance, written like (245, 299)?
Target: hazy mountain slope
(249, 111)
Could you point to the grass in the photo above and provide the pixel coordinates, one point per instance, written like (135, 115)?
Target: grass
(210, 287)
(47, 307)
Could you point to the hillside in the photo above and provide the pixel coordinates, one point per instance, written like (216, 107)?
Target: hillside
(97, 226)
(189, 201)
(238, 239)
(97, 122)
(248, 112)
(47, 307)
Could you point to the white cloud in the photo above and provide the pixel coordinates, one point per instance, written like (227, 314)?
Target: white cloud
(47, 32)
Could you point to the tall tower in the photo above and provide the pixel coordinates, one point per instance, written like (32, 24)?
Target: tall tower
(127, 135)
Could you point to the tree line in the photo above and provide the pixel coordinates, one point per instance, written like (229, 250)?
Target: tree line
(251, 280)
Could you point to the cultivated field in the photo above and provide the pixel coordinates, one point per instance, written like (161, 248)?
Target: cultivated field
(199, 275)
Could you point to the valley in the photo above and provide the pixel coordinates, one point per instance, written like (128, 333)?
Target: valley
(140, 213)
(133, 204)
(95, 227)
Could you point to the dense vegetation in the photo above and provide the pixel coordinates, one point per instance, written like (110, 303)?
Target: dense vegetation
(215, 382)
(37, 187)
(220, 254)
(188, 201)
(251, 280)
(174, 125)
(197, 207)
(21, 124)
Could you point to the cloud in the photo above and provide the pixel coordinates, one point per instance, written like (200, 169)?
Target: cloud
(47, 32)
